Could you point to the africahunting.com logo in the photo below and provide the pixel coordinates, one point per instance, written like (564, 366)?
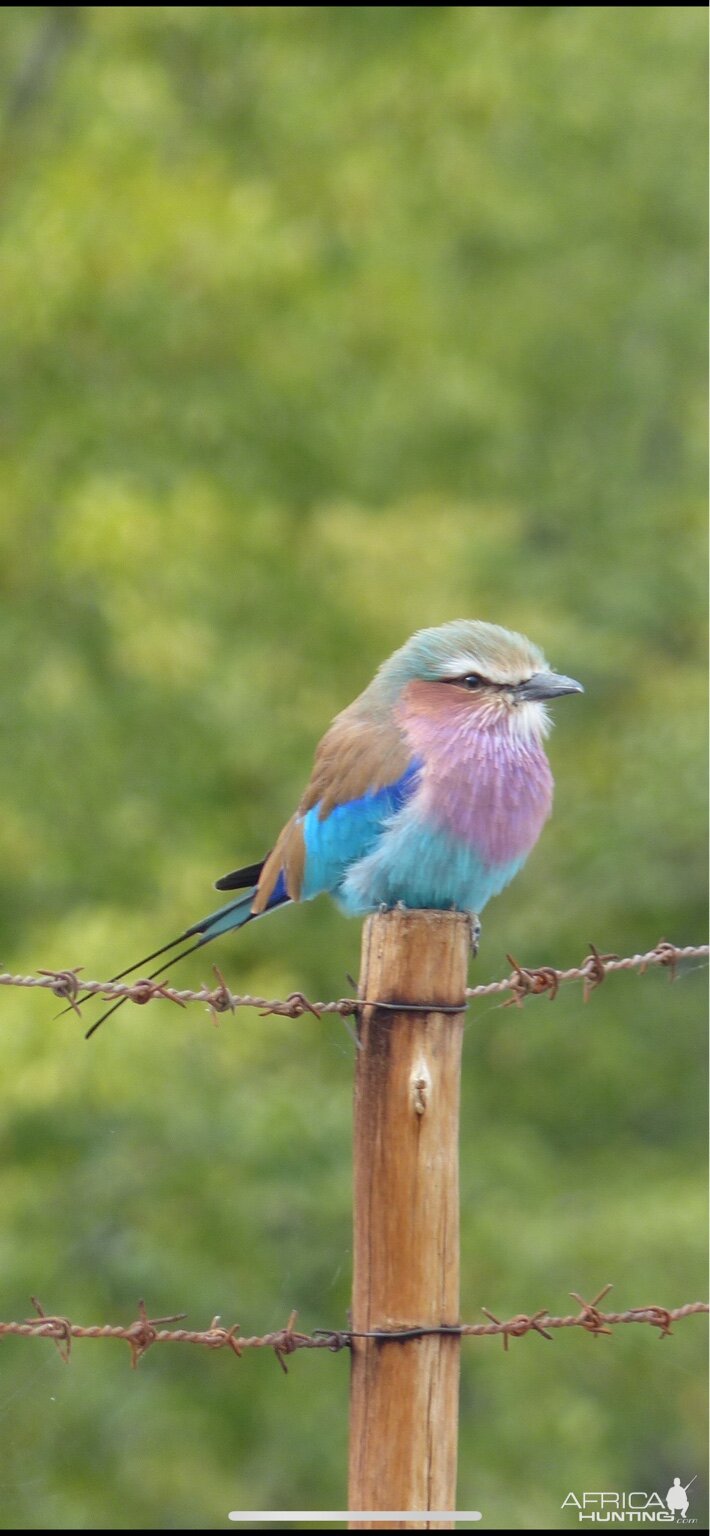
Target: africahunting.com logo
(637, 1508)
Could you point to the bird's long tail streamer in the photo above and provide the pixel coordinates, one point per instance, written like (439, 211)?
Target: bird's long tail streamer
(234, 915)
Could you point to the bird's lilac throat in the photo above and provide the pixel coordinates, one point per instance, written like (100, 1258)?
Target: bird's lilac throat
(484, 781)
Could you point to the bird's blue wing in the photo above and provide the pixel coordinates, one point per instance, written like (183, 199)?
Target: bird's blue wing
(349, 831)
(330, 845)
(362, 774)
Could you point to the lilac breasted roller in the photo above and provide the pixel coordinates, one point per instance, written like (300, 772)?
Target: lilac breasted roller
(429, 790)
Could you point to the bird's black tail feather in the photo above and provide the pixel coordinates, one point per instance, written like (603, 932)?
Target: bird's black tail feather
(240, 878)
(234, 915)
(160, 971)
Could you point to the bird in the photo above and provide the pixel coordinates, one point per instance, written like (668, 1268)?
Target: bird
(428, 791)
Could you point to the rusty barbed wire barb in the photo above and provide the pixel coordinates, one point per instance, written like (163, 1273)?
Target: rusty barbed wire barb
(658, 1317)
(523, 982)
(218, 1337)
(220, 998)
(145, 990)
(668, 955)
(66, 984)
(145, 1332)
(53, 1327)
(516, 1327)
(595, 967)
(590, 1316)
(547, 979)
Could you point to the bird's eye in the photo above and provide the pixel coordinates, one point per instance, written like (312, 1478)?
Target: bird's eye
(472, 680)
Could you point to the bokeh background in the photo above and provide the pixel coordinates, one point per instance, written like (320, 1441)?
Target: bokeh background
(321, 324)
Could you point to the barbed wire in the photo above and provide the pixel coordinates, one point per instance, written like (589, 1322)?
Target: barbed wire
(145, 1331)
(522, 983)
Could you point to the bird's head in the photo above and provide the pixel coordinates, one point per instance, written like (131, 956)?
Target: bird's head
(477, 674)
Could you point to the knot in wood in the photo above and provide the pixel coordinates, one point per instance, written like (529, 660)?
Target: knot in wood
(420, 1086)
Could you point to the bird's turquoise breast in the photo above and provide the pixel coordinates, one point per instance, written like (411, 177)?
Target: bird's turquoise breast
(422, 867)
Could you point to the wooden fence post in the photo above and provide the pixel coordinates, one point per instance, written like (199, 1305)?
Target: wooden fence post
(404, 1396)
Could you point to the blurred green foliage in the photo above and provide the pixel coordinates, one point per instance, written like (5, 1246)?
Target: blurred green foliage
(320, 324)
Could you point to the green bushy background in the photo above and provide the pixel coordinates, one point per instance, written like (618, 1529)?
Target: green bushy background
(318, 325)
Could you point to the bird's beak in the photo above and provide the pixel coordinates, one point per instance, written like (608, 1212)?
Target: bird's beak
(546, 685)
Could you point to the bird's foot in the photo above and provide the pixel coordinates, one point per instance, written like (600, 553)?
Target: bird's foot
(475, 933)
